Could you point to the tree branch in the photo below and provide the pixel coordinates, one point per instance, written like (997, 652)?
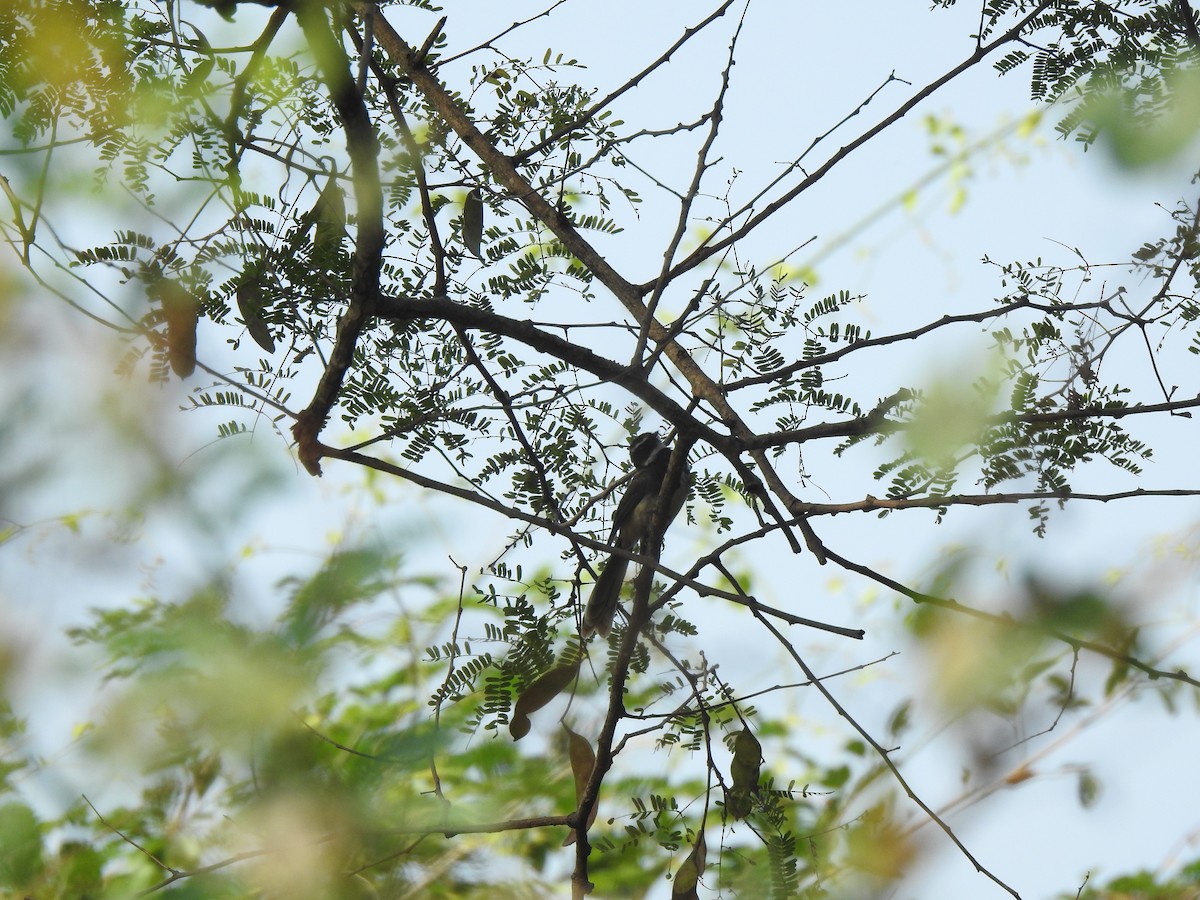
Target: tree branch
(874, 504)
(1009, 622)
(703, 387)
(363, 147)
(883, 754)
(592, 111)
(705, 251)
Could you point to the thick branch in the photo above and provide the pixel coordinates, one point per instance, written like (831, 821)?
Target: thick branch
(703, 388)
(1188, 18)
(876, 419)
(363, 147)
(498, 164)
(868, 424)
(577, 355)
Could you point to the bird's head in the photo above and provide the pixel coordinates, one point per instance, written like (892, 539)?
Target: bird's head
(643, 447)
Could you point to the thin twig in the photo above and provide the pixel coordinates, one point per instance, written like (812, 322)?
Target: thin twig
(103, 821)
(706, 250)
(596, 108)
(1010, 623)
(883, 754)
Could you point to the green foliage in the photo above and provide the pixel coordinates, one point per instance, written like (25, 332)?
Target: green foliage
(357, 759)
(21, 856)
(1145, 885)
(1122, 67)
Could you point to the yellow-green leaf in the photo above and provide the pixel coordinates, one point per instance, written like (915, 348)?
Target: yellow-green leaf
(1029, 123)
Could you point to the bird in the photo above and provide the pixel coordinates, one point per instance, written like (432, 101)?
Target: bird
(631, 525)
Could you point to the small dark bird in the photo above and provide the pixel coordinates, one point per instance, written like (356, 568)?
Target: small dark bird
(631, 525)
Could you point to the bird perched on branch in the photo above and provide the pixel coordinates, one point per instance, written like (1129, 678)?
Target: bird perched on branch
(631, 525)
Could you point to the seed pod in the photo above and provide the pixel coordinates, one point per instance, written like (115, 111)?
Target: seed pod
(745, 770)
(538, 693)
(182, 313)
(330, 215)
(747, 761)
(193, 84)
(251, 304)
(687, 876)
(738, 804)
(472, 222)
(583, 762)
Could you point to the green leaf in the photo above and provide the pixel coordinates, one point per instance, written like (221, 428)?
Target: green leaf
(20, 845)
(1089, 789)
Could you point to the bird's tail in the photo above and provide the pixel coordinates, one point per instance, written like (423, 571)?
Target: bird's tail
(606, 593)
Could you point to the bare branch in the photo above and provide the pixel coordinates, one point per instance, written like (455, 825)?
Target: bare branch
(1008, 622)
(874, 504)
(884, 754)
(598, 107)
(707, 250)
